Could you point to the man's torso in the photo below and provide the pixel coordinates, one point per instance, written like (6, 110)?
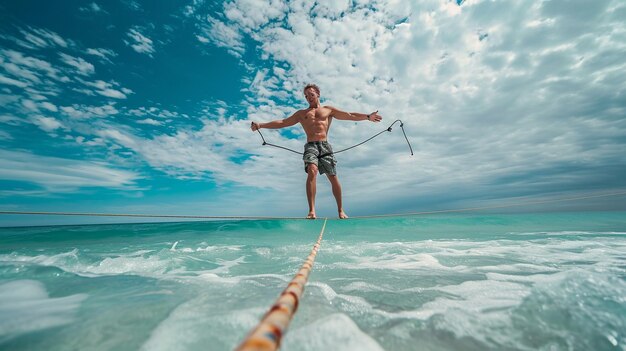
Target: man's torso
(315, 122)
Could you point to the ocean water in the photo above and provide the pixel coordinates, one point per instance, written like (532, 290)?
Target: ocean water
(442, 282)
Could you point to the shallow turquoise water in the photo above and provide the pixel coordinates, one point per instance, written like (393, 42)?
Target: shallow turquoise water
(470, 282)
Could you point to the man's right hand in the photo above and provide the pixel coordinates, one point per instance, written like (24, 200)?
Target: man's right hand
(255, 126)
(375, 117)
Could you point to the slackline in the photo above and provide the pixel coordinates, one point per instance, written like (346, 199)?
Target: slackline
(407, 214)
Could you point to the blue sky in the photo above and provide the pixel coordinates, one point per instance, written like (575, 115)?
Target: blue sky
(144, 107)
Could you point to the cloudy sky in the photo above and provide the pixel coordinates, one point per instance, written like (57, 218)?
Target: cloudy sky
(145, 107)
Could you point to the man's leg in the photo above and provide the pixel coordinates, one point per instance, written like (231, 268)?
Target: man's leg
(311, 181)
(334, 182)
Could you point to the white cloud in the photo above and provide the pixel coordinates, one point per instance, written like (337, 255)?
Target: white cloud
(253, 14)
(19, 42)
(29, 68)
(498, 98)
(112, 93)
(93, 7)
(53, 37)
(105, 54)
(488, 90)
(85, 111)
(30, 105)
(121, 138)
(140, 43)
(218, 33)
(48, 124)
(22, 72)
(83, 67)
(63, 175)
(155, 112)
(331, 8)
(48, 106)
(34, 40)
(150, 121)
(133, 5)
(11, 120)
(42, 38)
(250, 14)
(109, 89)
(11, 81)
(211, 152)
(81, 140)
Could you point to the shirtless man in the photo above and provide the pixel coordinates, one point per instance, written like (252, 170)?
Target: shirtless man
(318, 154)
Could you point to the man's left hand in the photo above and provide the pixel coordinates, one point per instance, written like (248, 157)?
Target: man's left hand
(375, 117)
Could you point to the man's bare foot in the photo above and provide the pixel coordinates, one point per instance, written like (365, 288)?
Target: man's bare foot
(342, 215)
(311, 215)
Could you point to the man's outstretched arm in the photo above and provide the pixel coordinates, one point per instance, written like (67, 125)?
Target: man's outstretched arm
(277, 124)
(355, 116)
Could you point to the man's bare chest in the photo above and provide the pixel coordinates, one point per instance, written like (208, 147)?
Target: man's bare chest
(316, 116)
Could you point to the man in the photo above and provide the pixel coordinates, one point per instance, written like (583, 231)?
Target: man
(318, 154)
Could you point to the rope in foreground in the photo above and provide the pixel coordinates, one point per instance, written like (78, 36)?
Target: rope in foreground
(268, 333)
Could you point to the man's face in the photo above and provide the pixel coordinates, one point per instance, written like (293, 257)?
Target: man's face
(311, 95)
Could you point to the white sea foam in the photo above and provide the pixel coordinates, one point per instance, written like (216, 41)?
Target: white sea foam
(64, 258)
(150, 266)
(196, 324)
(263, 251)
(223, 248)
(532, 278)
(138, 253)
(134, 262)
(480, 296)
(334, 332)
(514, 268)
(472, 298)
(417, 261)
(226, 265)
(474, 308)
(26, 307)
(255, 279)
(328, 292)
(204, 247)
(173, 248)
(487, 292)
(529, 256)
(567, 232)
(214, 278)
(149, 263)
(363, 287)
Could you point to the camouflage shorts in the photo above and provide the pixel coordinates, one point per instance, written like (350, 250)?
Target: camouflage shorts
(325, 164)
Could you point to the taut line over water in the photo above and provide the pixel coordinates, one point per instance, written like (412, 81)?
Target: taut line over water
(469, 209)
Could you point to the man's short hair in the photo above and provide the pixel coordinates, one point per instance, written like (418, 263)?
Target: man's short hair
(315, 87)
